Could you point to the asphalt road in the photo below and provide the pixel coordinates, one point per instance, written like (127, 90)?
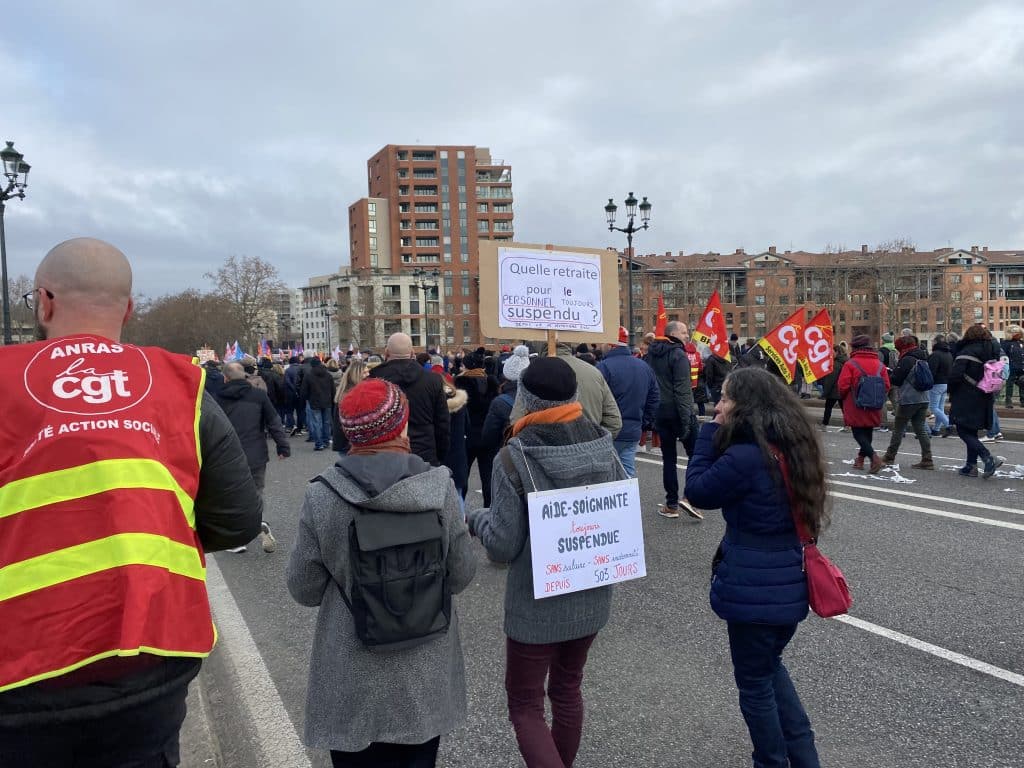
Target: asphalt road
(931, 673)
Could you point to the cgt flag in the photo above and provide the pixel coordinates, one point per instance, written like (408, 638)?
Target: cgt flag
(782, 344)
(816, 356)
(662, 321)
(710, 328)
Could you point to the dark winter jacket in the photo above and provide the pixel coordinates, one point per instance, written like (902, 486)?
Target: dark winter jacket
(760, 578)
(480, 390)
(429, 423)
(317, 387)
(970, 408)
(457, 459)
(214, 380)
(635, 390)
(1014, 350)
(292, 377)
(853, 416)
(715, 370)
(275, 386)
(228, 512)
(672, 370)
(903, 377)
(941, 362)
(493, 435)
(830, 381)
(252, 416)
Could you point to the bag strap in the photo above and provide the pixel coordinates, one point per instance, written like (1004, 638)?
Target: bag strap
(341, 591)
(801, 528)
(856, 365)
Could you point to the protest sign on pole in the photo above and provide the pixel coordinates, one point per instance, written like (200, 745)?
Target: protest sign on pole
(816, 355)
(782, 344)
(585, 537)
(530, 291)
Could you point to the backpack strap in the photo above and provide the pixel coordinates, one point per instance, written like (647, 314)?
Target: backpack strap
(344, 597)
(510, 469)
(972, 381)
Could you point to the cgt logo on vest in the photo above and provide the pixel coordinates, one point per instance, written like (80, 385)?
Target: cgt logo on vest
(88, 377)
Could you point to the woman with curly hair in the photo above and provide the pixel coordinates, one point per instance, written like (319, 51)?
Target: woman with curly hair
(761, 461)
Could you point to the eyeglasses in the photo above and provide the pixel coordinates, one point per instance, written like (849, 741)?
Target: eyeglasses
(29, 299)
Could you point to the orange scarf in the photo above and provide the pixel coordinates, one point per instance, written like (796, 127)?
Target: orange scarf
(474, 373)
(557, 415)
(398, 444)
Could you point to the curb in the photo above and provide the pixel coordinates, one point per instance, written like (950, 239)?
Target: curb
(198, 744)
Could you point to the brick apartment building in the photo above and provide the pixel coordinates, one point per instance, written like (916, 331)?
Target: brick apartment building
(865, 291)
(428, 208)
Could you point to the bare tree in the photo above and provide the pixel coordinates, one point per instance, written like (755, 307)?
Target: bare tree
(249, 286)
(895, 281)
(183, 322)
(22, 319)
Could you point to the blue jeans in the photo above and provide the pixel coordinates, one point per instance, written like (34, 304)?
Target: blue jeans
(627, 455)
(319, 426)
(937, 405)
(995, 423)
(779, 728)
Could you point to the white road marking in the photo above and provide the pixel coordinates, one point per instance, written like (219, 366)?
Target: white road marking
(935, 650)
(927, 511)
(926, 497)
(277, 740)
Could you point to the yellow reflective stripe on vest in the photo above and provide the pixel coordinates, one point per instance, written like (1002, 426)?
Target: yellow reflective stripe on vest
(94, 556)
(88, 480)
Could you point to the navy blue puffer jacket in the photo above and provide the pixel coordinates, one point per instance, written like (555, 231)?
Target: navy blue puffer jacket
(760, 579)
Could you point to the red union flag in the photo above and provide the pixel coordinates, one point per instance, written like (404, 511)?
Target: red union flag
(662, 320)
(816, 358)
(710, 328)
(782, 344)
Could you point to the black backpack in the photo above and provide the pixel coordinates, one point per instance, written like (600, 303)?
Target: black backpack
(399, 578)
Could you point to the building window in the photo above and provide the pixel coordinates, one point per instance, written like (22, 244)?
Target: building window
(447, 256)
(465, 309)
(422, 155)
(402, 173)
(373, 259)
(464, 257)
(427, 242)
(403, 190)
(502, 208)
(783, 300)
(463, 222)
(978, 313)
(464, 278)
(407, 258)
(956, 279)
(371, 209)
(372, 225)
(481, 207)
(503, 226)
(977, 279)
(404, 224)
(448, 284)
(759, 283)
(426, 224)
(425, 190)
(444, 154)
(373, 242)
(954, 296)
(977, 295)
(426, 207)
(481, 225)
(461, 155)
(444, 189)
(759, 300)
(405, 242)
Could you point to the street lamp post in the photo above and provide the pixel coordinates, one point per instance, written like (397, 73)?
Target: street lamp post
(327, 309)
(16, 172)
(426, 280)
(629, 229)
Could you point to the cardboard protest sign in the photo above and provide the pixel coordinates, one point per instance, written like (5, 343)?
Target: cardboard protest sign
(586, 537)
(530, 291)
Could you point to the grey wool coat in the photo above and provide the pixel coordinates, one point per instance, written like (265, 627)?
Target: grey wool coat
(560, 456)
(356, 696)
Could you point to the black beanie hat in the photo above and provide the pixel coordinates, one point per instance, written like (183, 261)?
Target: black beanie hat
(546, 382)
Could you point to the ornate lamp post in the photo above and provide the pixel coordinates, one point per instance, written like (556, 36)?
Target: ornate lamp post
(629, 229)
(426, 280)
(16, 172)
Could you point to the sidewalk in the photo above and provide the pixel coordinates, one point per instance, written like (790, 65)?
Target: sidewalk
(198, 745)
(1011, 421)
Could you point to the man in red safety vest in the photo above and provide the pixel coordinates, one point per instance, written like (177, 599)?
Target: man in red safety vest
(117, 474)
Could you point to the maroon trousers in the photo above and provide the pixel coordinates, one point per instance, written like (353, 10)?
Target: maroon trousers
(526, 669)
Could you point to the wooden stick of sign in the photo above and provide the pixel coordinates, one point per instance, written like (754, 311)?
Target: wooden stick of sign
(552, 335)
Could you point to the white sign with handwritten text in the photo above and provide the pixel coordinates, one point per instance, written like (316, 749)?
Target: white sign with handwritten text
(549, 290)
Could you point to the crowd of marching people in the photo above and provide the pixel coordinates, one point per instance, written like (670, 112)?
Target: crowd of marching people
(409, 429)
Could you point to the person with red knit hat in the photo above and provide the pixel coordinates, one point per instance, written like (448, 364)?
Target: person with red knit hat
(380, 490)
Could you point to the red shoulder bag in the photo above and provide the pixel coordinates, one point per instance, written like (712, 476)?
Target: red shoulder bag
(827, 591)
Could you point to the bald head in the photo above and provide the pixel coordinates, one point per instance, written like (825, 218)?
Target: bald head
(234, 372)
(399, 346)
(91, 286)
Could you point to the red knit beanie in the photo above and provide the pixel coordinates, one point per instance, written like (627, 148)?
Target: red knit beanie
(374, 411)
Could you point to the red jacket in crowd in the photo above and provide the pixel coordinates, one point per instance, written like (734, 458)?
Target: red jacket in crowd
(867, 359)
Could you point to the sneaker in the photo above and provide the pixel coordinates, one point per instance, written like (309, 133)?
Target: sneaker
(992, 463)
(267, 538)
(924, 464)
(944, 432)
(238, 550)
(666, 511)
(691, 510)
(997, 436)
(883, 429)
(935, 432)
(968, 471)
(988, 439)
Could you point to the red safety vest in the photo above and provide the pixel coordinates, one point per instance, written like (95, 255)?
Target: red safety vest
(695, 363)
(99, 469)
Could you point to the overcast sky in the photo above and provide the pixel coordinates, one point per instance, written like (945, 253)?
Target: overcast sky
(185, 132)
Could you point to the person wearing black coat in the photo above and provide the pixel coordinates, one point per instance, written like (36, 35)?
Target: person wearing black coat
(456, 458)
(715, 370)
(214, 378)
(971, 409)
(429, 422)
(251, 414)
(292, 377)
(830, 385)
(317, 389)
(481, 389)
(275, 386)
(940, 361)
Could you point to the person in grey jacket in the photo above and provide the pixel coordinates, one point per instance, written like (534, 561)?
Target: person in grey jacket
(912, 406)
(377, 708)
(553, 446)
